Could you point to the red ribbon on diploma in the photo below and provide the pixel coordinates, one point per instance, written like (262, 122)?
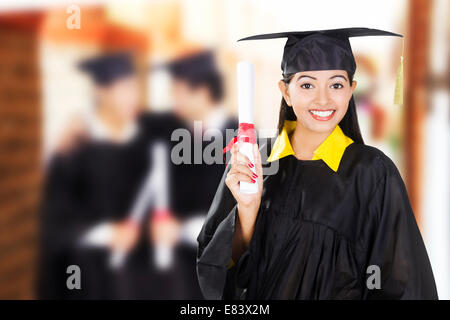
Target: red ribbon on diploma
(161, 214)
(246, 133)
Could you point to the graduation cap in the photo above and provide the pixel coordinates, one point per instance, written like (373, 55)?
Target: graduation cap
(105, 69)
(192, 67)
(326, 50)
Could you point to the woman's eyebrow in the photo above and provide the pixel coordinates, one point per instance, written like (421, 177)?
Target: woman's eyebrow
(306, 76)
(337, 76)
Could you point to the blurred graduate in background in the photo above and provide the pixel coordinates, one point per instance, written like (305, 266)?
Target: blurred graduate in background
(196, 130)
(197, 94)
(90, 186)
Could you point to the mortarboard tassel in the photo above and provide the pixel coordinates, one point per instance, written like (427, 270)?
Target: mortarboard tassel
(398, 95)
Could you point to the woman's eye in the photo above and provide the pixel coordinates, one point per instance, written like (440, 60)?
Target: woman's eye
(306, 86)
(337, 86)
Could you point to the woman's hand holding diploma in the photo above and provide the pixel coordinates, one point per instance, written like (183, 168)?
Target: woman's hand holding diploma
(247, 204)
(125, 235)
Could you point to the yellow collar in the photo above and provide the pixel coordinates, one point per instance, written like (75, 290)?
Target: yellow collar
(330, 150)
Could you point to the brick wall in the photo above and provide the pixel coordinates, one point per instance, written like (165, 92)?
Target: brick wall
(20, 172)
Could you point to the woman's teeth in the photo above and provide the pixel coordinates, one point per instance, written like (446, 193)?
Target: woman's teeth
(322, 113)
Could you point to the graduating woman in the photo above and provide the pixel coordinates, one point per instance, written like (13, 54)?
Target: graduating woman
(335, 221)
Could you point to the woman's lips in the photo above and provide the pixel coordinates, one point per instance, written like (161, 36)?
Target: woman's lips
(322, 115)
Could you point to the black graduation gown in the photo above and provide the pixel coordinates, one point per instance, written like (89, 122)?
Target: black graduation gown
(97, 182)
(316, 234)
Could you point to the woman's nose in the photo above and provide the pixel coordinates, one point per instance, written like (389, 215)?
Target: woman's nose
(321, 98)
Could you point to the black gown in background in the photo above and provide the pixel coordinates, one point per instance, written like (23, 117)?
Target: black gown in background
(316, 234)
(95, 183)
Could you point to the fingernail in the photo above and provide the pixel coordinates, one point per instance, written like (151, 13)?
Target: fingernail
(253, 181)
(251, 165)
(254, 176)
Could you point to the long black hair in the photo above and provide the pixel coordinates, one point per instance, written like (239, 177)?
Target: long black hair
(349, 123)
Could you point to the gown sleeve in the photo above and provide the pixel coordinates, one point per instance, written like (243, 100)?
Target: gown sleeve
(219, 276)
(62, 221)
(65, 216)
(215, 242)
(396, 246)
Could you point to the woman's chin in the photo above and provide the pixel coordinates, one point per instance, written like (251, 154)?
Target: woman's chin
(321, 127)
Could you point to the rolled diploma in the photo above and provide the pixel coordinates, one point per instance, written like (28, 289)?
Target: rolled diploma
(245, 105)
(163, 254)
(144, 198)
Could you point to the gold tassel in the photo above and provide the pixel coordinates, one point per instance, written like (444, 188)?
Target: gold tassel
(398, 95)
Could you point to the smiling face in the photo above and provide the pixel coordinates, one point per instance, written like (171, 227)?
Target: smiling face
(319, 98)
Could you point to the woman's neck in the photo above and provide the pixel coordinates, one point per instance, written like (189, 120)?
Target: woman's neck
(305, 141)
(115, 125)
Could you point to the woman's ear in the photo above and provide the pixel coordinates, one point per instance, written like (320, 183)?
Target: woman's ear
(284, 91)
(354, 83)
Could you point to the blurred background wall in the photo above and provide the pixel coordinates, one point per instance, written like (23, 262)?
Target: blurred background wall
(41, 91)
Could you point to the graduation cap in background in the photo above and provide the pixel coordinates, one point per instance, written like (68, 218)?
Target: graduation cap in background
(107, 68)
(326, 50)
(192, 67)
